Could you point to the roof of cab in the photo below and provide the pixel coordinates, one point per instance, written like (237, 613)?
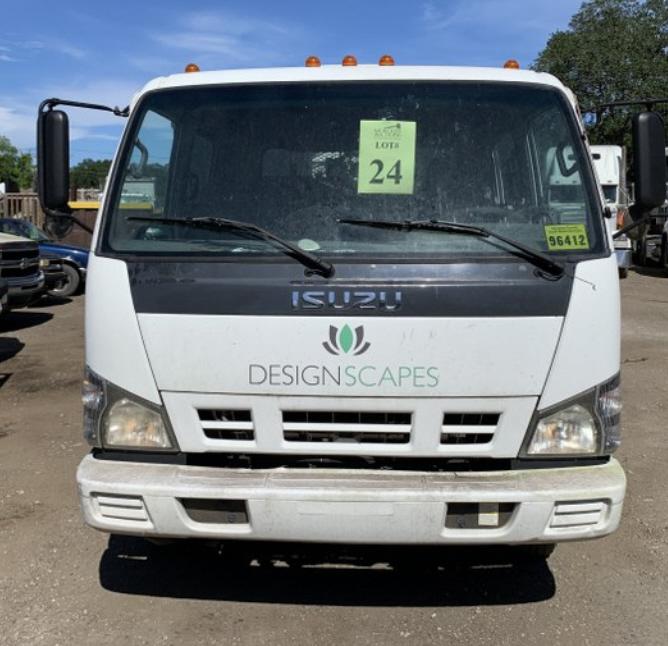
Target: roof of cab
(350, 73)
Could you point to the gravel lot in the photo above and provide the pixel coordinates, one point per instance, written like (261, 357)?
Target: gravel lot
(61, 583)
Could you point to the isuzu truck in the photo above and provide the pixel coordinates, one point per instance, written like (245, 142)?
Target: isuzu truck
(354, 309)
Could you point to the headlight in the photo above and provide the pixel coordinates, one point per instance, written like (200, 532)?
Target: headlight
(129, 424)
(587, 425)
(114, 418)
(44, 262)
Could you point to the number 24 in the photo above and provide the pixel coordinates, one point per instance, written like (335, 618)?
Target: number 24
(394, 173)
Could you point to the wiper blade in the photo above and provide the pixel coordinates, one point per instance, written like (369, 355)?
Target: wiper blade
(538, 259)
(316, 264)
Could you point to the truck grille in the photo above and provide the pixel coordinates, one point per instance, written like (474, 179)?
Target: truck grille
(469, 428)
(19, 260)
(347, 427)
(227, 424)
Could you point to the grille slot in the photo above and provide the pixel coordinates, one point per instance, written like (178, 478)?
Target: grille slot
(469, 428)
(227, 424)
(351, 427)
(114, 507)
(585, 513)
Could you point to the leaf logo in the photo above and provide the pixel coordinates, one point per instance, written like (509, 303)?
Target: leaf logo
(345, 340)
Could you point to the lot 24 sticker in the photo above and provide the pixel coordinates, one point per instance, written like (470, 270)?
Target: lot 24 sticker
(386, 157)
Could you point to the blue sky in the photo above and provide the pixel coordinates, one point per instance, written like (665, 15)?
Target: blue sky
(104, 51)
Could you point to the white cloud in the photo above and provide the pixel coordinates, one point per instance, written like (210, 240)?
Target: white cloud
(228, 37)
(6, 58)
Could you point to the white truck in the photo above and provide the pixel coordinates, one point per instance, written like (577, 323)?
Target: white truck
(353, 311)
(610, 166)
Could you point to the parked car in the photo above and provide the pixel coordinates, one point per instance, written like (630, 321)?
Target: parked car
(20, 268)
(75, 259)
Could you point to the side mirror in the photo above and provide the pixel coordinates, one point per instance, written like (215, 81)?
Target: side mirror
(649, 162)
(53, 161)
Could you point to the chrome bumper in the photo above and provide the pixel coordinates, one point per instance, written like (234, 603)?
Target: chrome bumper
(352, 507)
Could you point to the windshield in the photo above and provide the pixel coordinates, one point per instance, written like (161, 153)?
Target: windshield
(22, 228)
(610, 193)
(296, 158)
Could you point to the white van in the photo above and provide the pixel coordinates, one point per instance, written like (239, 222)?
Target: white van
(354, 310)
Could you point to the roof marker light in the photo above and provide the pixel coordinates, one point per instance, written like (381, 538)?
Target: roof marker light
(312, 61)
(511, 64)
(349, 61)
(191, 67)
(386, 59)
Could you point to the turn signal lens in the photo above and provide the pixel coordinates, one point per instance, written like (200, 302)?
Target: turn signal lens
(349, 61)
(386, 59)
(191, 67)
(511, 64)
(312, 61)
(621, 216)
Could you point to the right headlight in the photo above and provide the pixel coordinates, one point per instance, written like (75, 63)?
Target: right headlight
(116, 419)
(586, 425)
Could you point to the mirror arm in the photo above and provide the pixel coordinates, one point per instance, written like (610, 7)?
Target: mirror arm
(629, 227)
(52, 103)
(68, 216)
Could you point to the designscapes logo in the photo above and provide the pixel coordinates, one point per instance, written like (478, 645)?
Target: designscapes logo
(346, 341)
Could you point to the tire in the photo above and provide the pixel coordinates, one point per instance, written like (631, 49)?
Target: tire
(623, 272)
(640, 253)
(71, 284)
(663, 260)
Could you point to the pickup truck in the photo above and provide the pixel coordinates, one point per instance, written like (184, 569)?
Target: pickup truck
(20, 267)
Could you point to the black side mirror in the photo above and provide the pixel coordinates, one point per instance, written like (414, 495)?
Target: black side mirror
(649, 162)
(53, 161)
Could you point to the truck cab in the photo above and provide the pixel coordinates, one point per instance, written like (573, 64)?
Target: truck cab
(351, 309)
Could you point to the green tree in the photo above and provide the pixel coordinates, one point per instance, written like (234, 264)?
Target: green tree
(16, 169)
(613, 50)
(89, 173)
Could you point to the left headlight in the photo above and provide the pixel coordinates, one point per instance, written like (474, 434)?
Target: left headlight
(44, 262)
(587, 425)
(114, 418)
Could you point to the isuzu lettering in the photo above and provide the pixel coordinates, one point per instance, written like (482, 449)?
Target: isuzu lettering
(345, 304)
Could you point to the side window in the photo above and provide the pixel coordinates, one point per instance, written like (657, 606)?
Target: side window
(145, 181)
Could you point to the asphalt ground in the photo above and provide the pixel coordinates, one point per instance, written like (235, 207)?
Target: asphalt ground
(62, 583)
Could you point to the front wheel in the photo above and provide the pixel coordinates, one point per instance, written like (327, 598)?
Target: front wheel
(623, 272)
(70, 284)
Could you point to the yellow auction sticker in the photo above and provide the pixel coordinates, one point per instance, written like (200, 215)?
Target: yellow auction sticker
(566, 237)
(386, 157)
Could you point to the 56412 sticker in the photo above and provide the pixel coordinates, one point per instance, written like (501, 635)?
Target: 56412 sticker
(566, 237)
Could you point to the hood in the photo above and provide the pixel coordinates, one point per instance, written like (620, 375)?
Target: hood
(486, 331)
(59, 247)
(7, 237)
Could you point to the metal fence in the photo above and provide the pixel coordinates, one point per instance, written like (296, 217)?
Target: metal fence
(24, 205)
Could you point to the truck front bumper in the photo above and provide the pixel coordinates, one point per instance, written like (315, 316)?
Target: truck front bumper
(546, 505)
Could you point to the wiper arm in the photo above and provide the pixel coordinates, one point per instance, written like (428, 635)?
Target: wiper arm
(309, 260)
(538, 259)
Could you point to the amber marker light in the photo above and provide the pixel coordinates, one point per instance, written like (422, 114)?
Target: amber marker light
(191, 67)
(312, 61)
(511, 64)
(349, 61)
(386, 59)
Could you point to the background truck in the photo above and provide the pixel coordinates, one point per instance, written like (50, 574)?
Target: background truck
(610, 166)
(358, 308)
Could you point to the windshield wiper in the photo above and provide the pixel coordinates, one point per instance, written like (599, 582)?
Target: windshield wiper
(538, 259)
(309, 260)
